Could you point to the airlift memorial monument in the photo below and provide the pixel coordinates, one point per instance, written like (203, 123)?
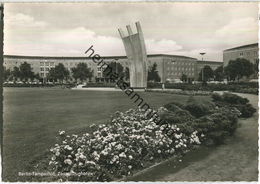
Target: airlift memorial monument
(137, 56)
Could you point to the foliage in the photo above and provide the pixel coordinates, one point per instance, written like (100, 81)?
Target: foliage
(116, 68)
(219, 73)
(153, 74)
(6, 74)
(216, 125)
(206, 73)
(26, 72)
(232, 100)
(127, 73)
(181, 92)
(241, 87)
(58, 73)
(236, 69)
(82, 72)
(184, 78)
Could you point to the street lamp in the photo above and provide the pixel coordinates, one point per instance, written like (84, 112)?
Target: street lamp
(202, 71)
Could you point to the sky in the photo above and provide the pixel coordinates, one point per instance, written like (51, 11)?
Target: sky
(69, 29)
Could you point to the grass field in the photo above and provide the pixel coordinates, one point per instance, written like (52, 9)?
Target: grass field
(33, 116)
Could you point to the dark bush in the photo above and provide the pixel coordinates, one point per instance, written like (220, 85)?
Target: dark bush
(247, 110)
(176, 117)
(198, 108)
(234, 99)
(216, 97)
(173, 106)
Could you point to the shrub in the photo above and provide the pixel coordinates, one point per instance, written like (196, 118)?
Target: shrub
(234, 99)
(176, 117)
(247, 110)
(173, 106)
(198, 108)
(216, 97)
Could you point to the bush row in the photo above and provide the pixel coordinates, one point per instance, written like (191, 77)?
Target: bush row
(181, 92)
(244, 87)
(216, 123)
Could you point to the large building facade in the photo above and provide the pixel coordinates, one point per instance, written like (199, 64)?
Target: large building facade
(249, 52)
(169, 67)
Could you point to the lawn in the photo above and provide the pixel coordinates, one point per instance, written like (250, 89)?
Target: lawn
(33, 116)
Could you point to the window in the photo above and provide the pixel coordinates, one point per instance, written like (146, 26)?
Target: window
(99, 69)
(42, 69)
(47, 69)
(42, 74)
(41, 63)
(52, 64)
(241, 54)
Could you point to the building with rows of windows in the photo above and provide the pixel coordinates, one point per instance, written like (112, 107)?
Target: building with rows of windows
(170, 67)
(249, 52)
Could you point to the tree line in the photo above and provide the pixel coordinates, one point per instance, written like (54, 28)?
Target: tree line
(234, 71)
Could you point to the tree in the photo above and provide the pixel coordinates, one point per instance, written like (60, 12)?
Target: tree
(82, 72)
(16, 73)
(256, 65)
(206, 73)
(26, 71)
(219, 73)
(58, 73)
(153, 74)
(116, 68)
(236, 69)
(127, 74)
(184, 78)
(6, 74)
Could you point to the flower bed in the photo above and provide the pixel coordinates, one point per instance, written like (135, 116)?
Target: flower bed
(131, 140)
(119, 148)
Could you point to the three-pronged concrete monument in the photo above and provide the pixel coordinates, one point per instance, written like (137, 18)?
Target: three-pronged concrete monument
(136, 54)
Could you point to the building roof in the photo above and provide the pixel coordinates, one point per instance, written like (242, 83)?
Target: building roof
(105, 57)
(243, 47)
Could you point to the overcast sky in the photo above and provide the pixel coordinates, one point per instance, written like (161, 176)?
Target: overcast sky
(68, 29)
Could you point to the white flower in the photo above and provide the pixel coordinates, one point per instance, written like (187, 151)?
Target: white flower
(68, 147)
(61, 132)
(159, 151)
(130, 167)
(57, 153)
(130, 157)
(68, 161)
(122, 155)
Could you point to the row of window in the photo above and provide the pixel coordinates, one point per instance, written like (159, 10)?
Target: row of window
(248, 53)
(180, 68)
(181, 63)
(180, 73)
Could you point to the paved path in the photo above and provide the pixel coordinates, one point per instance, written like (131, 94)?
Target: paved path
(237, 160)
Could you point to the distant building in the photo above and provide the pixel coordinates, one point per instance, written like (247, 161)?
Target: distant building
(169, 67)
(249, 52)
